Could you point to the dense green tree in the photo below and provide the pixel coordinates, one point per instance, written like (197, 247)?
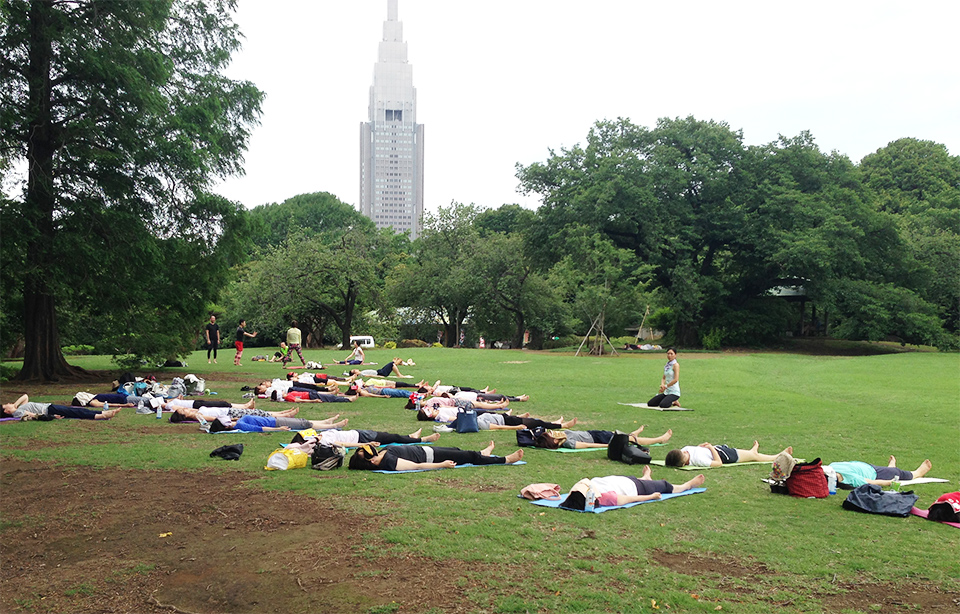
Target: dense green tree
(123, 118)
(305, 215)
(438, 280)
(318, 281)
(919, 183)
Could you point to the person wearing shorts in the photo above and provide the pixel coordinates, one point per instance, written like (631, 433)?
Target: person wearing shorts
(613, 490)
(709, 455)
(856, 473)
(241, 334)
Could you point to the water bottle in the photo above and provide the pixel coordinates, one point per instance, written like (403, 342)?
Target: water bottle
(159, 410)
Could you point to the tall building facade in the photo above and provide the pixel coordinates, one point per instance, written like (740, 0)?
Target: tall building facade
(391, 141)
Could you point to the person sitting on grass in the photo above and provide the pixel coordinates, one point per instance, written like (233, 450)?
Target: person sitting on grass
(622, 489)
(356, 357)
(851, 474)
(24, 409)
(409, 458)
(709, 455)
(579, 440)
(259, 424)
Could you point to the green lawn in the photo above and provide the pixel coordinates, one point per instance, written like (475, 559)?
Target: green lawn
(836, 408)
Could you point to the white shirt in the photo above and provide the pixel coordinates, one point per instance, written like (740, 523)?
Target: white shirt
(699, 457)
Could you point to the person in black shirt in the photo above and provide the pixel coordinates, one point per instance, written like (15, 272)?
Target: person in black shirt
(212, 331)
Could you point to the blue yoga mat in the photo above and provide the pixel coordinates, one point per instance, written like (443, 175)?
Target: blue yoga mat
(597, 510)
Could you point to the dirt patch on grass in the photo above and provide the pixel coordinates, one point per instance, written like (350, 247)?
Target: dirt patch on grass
(861, 597)
(89, 540)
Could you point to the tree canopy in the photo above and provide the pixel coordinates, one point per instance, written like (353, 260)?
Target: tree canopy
(122, 118)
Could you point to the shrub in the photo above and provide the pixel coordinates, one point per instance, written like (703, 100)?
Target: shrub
(77, 350)
(412, 343)
(390, 345)
(437, 344)
(561, 342)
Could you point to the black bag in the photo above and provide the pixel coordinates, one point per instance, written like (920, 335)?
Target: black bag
(326, 458)
(872, 499)
(620, 449)
(527, 438)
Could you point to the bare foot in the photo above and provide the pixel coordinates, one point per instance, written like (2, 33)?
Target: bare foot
(665, 437)
(526, 414)
(756, 446)
(639, 430)
(515, 457)
(486, 451)
(342, 423)
(333, 417)
(646, 473)
(430, 438)
(922, 470)
(523, 397)
(294, 411)
(569, 424)
(110, 413)
(416, 433)
(698, 481)
(789, 450)
(509, 412)
(892, 462)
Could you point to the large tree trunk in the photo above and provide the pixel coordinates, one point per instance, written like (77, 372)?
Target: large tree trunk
(43, 358)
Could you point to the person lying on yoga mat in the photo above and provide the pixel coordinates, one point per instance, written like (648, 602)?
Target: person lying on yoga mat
(592, 439)
(187, 414)
(259, 424)
(709, 455)
(388, 369)
(174, 404)
(300, 394)
(446, 406)
(356, 438)
(851, 474)
(379, 392)
(24, 409)
(623, 489)
(445, 413)
(409, 458)
(469, 394)
(112, 399)
(669, 383)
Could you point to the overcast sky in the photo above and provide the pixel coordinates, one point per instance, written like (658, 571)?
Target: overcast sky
(500, 82)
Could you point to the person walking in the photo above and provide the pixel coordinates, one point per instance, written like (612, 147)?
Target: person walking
(212, 331)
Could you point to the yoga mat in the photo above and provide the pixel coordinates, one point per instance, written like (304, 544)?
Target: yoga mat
(924, 513)
(455, 467)
(568, 450)
(645, 406)
(9, 419)
(690, 468)
(556, 502)
(922, 481)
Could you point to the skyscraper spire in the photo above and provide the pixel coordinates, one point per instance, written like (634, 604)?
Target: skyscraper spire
(391, 140)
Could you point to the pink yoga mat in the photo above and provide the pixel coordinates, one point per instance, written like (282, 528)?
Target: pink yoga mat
(923, 514)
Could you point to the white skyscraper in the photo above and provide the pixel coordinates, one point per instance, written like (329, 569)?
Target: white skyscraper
(391, 142)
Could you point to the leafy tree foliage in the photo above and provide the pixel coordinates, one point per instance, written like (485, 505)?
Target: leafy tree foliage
(306, 215)
(123, 118)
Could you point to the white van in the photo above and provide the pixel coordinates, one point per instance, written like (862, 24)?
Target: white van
(365, 341)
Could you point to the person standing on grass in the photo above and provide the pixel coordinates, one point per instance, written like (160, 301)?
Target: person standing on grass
(293, 341)
(212, 331)
(241, 334)
(669, 383)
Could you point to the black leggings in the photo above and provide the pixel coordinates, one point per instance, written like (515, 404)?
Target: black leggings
(529, 422)
(211, 348)
(385, 438)
(663, 401)
(210, 403)
(495, 397)
(464, 457)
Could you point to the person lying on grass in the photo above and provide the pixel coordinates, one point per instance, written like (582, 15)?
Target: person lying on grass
(209, 414)
(579, 440)
(709, 455)
(112, 399)
(388, 369)
(410, 458)
(356, 438)
(504, 421)
(260, 424)
(24, 409)
(469, 394)
(444, 409)
(174, 404)
(378, 392)
(623, 489)
(298, 394)
(856, 473)
(320, 382)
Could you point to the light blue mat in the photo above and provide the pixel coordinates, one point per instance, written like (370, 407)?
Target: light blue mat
(456, 467)
(556, 502)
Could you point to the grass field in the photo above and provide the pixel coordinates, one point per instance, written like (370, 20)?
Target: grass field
(782, 553)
